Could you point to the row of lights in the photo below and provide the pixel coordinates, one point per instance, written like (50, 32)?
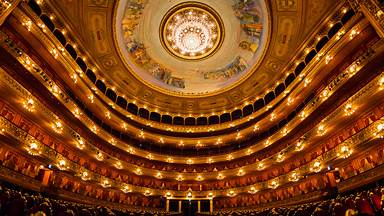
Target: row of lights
(57, 126)
(328, 58)
(344, 152)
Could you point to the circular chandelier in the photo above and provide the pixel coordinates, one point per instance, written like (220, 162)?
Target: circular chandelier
(191, 31)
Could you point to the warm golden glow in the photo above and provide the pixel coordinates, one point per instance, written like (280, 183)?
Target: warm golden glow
(118, 165)
(191, 31)
(344, 152)
(147, 193)
(80, 144)
(100, 156)
(138, 171)
(159, 175)
(220, 176)
(231, 193)
(381, 83)
(273, 184)
(280, 157)
(253, 190)
(229, 157)
(321, 130)
(57, 127)
(260, 166)
(85, 176)
(328, 59)
(29, 105)
(126, 189)
(299, 145)
(199, 178)
(33, 148)
(241, 172)
(379, 131)
(62, 165)
(349, 109)
(316, 166)
(105, 183)
(170, 160)
(294, 177)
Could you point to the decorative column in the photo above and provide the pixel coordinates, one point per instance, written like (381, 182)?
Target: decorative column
(373, 11)
(6, 8)
(167, 206)
(198, 206)
(211, 206)
(179, 205)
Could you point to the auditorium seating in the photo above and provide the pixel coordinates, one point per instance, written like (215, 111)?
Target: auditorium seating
(15, 201)
(365, 201)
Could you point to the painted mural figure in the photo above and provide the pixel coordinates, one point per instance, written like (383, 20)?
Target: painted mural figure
(236, 67)
(137, 51)
(249, 15)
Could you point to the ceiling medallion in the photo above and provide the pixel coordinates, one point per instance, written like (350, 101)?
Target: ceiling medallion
(191, 31)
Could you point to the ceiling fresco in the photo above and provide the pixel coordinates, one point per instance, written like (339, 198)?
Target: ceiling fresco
(228, 37)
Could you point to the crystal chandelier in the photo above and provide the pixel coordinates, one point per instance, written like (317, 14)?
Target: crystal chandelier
(191, 31)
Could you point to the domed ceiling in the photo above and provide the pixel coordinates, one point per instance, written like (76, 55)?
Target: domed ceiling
(130, 50)
(191, 48)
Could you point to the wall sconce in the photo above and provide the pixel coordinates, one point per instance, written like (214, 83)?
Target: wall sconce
(100, 156)
(231, 193)
(280, 157)
(293, 177)
(33, 149)
(29, 105)
(77, 113)
(220, 176)
(229, 157)
(252, 190)
(105, 183)
(85, 176)
(159, 175)
(299, 145)
(240, 172)
(147, 193)
(349, 109)
(249, 151)
(199, 178)
(344, 152)
(62, 165)
(260, 166)
(138, 171)
(379, 131)
(273, 184)
(328, 59)
(80, 144)
(316, 167)
(353, 34)
(118, 165)
(57, 127)
(126, 189)
(321, 130)
(381, 83)
(189, 194)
